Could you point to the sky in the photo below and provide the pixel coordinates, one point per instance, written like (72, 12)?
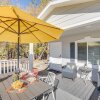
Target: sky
(24, 3)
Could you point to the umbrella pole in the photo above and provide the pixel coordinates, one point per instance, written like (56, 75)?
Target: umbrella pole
(18, 52)
(18, 43)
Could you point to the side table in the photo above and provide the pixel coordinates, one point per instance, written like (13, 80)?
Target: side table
(85, 72)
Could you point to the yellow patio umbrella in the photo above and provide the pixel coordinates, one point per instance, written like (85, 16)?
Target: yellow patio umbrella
(20, 27)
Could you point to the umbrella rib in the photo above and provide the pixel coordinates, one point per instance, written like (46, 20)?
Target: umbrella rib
(44, 25)
(32, 22)
(43, 32)
(27, 27)
(7, 21)
(7, 27)
(31, 32)
(35, 37)
(46, 33)
(9, 17)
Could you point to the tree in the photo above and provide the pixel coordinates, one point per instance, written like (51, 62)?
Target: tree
(43, 3)
(9, 50)
(35, 9)
(40, 49)
(5, 2)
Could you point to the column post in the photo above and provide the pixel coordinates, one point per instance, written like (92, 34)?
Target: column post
(31, 56)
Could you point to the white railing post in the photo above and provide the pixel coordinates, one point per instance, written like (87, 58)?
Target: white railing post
(14, 65)
(7, 66)
(10, 65)
(4, 69)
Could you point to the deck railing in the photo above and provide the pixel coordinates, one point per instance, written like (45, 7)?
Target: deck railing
(7, 66)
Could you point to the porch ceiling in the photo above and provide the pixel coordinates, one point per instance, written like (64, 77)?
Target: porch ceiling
(58, 3)
(86, 28)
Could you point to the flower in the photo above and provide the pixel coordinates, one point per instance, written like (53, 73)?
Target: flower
(17, 84)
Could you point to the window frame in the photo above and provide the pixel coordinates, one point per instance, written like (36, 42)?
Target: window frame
(84, 40)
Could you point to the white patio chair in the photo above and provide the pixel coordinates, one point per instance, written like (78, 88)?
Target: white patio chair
(50, 79)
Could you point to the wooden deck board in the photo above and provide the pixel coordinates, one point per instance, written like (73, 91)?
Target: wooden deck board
(71, 90)
(96, 95)
(77, 88)
(81, 90)
(80, 84)
(89, 93)
(74, 87)
(85, 93)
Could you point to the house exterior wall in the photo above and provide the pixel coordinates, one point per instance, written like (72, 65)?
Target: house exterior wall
(55, 59)
(71, 15)
(66, 17)
(66, 51)
(66, 40)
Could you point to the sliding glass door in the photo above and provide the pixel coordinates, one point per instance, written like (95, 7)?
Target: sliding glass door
(82, 51)
(94, 53)
(89, 52)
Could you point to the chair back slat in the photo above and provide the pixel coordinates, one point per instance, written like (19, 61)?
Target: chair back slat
(51, 78)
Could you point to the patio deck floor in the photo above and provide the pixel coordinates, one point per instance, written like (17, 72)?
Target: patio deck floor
(75, 90)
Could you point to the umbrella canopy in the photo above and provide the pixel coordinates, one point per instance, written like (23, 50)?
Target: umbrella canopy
(14, 23)
(20, 27)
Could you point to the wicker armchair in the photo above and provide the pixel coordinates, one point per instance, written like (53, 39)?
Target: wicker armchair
(69, 71)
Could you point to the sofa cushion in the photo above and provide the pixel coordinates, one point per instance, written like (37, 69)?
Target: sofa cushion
(56, 67)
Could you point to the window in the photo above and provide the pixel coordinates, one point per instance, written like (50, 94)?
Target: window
(82, 51)
(72, 50)
(94, 53)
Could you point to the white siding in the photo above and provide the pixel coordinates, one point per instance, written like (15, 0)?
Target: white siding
(55, 59)
(57, 51)
(65, 51)
(70, 15)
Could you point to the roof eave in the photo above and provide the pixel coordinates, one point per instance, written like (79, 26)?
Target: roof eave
(58, 3)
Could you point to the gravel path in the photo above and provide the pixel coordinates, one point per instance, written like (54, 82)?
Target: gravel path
(40, 64)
